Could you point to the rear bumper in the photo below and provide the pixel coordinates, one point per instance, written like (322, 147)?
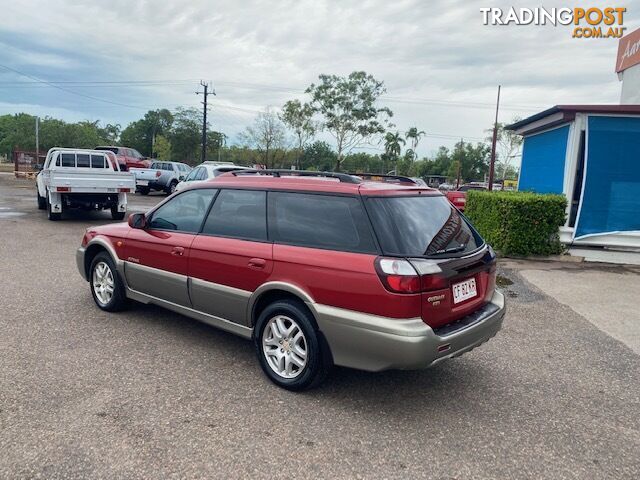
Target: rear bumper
(368, 342)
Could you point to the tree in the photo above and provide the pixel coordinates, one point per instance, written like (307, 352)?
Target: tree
(298, 117)
(413, 135)
(393, 146)
(142, 133)
(473, 160)
(185, 135)
(162, 148)
(318, 155)
(507, 146)
(267, 135)
(348, 109)
(215, 143)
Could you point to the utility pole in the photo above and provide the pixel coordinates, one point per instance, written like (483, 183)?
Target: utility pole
(37, 140)
(206, 94)
(492, 165)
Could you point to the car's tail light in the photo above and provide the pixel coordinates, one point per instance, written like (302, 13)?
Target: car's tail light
(431, 276)
(124, 190)
(158, 173)
(63, 189)
(397, 275)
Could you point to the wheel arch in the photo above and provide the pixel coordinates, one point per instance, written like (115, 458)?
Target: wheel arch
(274, 291)
(97, 245)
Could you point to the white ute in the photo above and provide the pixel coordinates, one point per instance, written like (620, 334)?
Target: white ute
(74, 178)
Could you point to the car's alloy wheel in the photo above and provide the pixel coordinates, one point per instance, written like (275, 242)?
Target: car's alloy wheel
(106, 285)
(103, 283)
(284, 346)
(291, 350)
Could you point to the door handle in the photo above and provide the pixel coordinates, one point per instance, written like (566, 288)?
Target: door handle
(177, 251)
(257, 263)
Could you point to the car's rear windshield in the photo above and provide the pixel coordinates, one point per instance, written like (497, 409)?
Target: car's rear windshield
(417, 226)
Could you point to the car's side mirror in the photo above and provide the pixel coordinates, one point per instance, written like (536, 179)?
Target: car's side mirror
(181, 177)
(138, 220)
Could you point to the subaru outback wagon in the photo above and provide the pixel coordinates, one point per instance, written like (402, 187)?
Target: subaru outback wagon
(317, 269)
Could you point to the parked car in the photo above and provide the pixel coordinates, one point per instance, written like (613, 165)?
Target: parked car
(82, 179)
(459, 197)
(316, 268)
(127, 157)
(206, 171)
(161, 176)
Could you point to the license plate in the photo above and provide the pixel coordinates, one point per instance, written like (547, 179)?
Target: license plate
(143, 183)
(464, 290)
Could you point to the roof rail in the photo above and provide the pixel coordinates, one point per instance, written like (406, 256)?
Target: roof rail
(343, 177)
(383, 177)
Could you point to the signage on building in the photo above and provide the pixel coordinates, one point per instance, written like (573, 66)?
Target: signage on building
(628, 51)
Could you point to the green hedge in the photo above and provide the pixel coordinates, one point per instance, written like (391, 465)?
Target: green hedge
(518, 223)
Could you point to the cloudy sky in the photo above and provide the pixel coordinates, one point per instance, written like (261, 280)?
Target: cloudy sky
(440, 64)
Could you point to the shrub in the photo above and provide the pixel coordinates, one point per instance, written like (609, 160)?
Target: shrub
(518, 223)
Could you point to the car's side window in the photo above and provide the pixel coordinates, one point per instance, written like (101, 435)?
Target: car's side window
(320, 221)
(192, 175)
(97, 161)
(82, 160)
(68, 159)
(238, 214)
(184, 212)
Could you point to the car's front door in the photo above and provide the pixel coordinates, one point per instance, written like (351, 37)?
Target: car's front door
(157, 257)
(231, 257)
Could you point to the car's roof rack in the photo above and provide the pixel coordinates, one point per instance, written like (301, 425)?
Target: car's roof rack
(343, 177)
(383, 177)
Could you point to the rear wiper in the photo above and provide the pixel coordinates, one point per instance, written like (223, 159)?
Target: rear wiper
(459, 248)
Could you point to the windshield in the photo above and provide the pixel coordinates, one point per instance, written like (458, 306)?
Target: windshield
(424, 225)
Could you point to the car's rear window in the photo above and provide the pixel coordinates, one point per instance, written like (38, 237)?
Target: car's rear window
(418, 226)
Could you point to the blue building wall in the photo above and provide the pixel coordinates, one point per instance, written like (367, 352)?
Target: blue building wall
(543, 157)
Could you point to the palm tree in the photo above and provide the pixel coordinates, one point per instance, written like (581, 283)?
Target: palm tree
(393, 146)
(415, 136)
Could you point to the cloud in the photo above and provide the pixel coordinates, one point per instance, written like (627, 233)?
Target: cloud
(435, 56)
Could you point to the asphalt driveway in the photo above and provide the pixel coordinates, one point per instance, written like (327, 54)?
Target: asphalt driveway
(147, 393)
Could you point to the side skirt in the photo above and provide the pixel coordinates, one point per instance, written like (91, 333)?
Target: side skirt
(221, 323)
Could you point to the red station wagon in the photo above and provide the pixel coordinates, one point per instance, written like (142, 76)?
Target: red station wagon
(318, 269)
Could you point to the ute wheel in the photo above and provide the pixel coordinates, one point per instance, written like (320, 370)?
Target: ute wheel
(143, 190)
(116, 215)
(171, 188)
(42, 202)
(53, 216)
(107, 288)
(289, 346)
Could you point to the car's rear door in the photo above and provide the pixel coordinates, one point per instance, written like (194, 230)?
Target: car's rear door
(232, 256)
(157, 257)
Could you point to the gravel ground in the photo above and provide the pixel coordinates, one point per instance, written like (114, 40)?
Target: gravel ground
(149, 394)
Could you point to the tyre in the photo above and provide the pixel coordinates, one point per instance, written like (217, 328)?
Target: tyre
(42, 202)
(107, 288)
(53, 216)
(171, 188)
(143, 190)
(116, 215)
(289, 346)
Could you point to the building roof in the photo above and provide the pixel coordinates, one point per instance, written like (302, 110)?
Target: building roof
(560, 114)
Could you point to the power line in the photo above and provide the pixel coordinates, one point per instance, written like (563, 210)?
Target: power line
(66, 89)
